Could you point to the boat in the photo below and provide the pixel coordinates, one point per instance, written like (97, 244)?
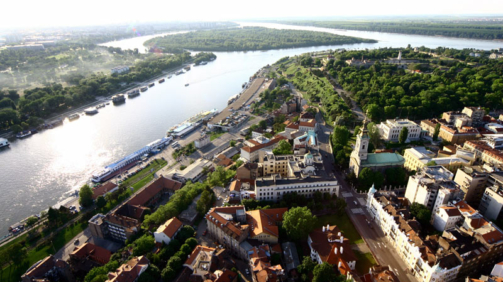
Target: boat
(90, 111)
(187, 68)
(100, 106)
(23, 134)
(144, 88)
(186, 84)
(118, 99)
(4, 143)
(53, 124)
(192, 123)
(170, 76)
(232, 99)
(179, 72)
(161, 80)
(73, 117)
(129, 161)
(203, 63)
(134, 93)
(151, 84)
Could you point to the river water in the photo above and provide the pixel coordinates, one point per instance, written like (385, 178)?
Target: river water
(37, 171)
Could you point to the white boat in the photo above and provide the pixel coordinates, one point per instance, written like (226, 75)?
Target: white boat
(23, 134)
(192, 123)
(4, 143)
(91, 111)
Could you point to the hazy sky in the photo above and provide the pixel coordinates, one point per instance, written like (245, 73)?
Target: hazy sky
(95, 12)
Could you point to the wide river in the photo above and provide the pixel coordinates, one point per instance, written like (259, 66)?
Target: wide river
(37, 171)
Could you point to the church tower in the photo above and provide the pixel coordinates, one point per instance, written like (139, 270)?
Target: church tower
(362, 144)
(399, 55)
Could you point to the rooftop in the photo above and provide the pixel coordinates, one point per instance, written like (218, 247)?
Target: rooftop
(170, 227)
(378, 159)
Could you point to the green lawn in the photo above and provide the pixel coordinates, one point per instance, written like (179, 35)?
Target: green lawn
(344, 224)
(156, 165)
(14, 272)
(215, 135)
(364, 262)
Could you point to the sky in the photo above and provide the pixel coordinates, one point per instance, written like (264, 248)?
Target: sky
(36, 13)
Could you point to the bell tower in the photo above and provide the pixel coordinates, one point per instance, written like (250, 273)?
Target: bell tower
(362, 143)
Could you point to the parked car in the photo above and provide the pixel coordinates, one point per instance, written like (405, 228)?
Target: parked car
(205, 232)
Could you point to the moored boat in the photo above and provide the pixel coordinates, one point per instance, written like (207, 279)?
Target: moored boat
(23, 134)
(186, 84)
(90, 111)
(161, 80)
(73, 117)
(144, 88)
(187, 68)
(133, 93)
(4, 143)
(118, 99)
(151, 84)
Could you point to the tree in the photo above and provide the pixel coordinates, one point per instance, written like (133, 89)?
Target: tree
(232, 143)
(220, 177)
(31, 220)
(16, 128)
(192, 242)
(421, 213)
(374, 135)
(175, 262)
(368, 177)
(298, 222)
(262, 124)
(396, 176)
(205, 202)
(324, 273)
(186, 249)
(436, 132)
(283, 148)
(185, 233)
(168, 274)
(404, 133)
(100, 202)
(85, 196)
(341, 135)
(143, 245)
(306, 268)
(374, 112)
(152, 274)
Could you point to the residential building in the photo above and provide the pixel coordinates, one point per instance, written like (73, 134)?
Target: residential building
(446, 217)
(380, 273)
(360, 158)
(97, 226)
(104, 189)
(247, 171)
(250, 153)
(306, 142)
(424, 259)
(495, 56)
(475, 113)
(497, 270)
(472, 180)
(416, 158)
(199, 261)
(457, 118)
(119, 227)
(327, 244)
(484, 153)
(222, 160)
(494, 127)
(455, 135)
(262, 224)
(491, 205)
(359, 63)
(290, 257)
(391, 128)
(167, 231)
(202, 141)
(428, 126)
(433, 187)
(48, 269)
(302, 126)
(86, 257)
(130, 271)
(120, 69)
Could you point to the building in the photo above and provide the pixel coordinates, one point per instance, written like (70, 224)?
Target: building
(200, 260)
(104, 189)
(202, 141)
(446, 217)
(247, 171)
(380, 273)
(209, 264)
(418, 158)
(475, 113)
(306, 142)
(250, 153)
(48, 269)
(457, 118)
(222, 160)
(484, 153)
(194, 171)
(455, 135)
(425, 260)
(360, 158)
(302, 126)
(472, 180)
(391, 128)
(120, 69)
(359, 63)
(495, 56)
(167, 231)
(262, 224)
(130, 271)
(86, 257)
(327, 244)
(491, 204)
(433, 187)
(290, 257)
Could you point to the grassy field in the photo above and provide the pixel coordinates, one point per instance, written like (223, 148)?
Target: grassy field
(364, 262)
(13, 273)
(344, 224)
(156, 165)
(215, 135)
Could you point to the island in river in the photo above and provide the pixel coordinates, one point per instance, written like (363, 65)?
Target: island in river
(248, 39)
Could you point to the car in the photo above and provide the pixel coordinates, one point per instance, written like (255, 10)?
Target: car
(355, 203)
(205, 232)
(76, 242)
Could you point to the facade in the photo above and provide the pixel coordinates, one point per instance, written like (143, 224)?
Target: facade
(455, 135)
(425, 262)
(472, 180)
(167, 231)
(475, 113)
(417, 158)
(130, 271)
(360, 158)
(247, 171)
(446, 217)
(202, 141)
(491, 205)
(120, 69)
(433, 187)
(251, 153)
(391, 128)
(457, 118)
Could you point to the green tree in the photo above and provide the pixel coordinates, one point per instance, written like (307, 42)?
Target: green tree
(85, 196)
(175, 263)
(283, 148)
(421, 213)
(298, 222)
(100, 202)
(374, 135)
(262, 124)
(16, 128)
(205, 201)
(143, 245)
(186, 249)
(31, 220)
(368, 177)
(192, 242)
(168, 274)
(341, 135)
(436, 132)
(402, 137)
(152, 274)
(374, 112)
(232, 143)
(185, 233)
(324, 273)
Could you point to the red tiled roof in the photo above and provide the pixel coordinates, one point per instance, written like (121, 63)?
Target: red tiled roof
(103, 189)
(195, 253)
(264, 221)
(156, 187)
(170, 227)
(273, 141)
(95, 253)
(451, 211)
(129, 271)
(465, 208)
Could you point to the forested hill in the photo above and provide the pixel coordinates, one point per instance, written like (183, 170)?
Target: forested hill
(488, 31)
(247, 39)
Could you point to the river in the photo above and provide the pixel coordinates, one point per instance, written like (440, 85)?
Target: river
(38, 170)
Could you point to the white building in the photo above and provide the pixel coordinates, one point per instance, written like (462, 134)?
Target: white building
(390, 130)
(491, 205)
(446, 217)
(120, 69)
(202, 141)
(166, 232)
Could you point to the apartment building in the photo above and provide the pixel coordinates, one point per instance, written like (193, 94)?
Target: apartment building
(455, 135)
(433, 187)
(251, 153)
(130, 271)
(472, 180)
(484, 152)
(446, 217)
(491, 204)
(424, 259)
(475, 113)
(391, 128)
(167, 231)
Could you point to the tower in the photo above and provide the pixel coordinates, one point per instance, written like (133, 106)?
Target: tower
(399, 55)
(362, 144)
